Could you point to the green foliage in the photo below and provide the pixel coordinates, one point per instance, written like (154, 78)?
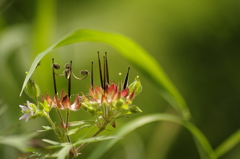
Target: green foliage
(19, 142)
(130, 51)
(141, 121)
(228, 144)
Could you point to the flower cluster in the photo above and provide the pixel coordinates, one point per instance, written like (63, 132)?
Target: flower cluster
(108, 101)
(63, 102)
(105, 103)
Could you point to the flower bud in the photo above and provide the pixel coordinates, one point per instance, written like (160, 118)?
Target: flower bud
(32, 89)
(118, 104)
(134, 109)
(92, 111)
(87, 107)
(125, 111)
(136, 86)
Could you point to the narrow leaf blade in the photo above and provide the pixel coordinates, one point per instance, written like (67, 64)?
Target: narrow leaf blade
(228, 144)
(141, 121)
(51, 142)
(95, 139)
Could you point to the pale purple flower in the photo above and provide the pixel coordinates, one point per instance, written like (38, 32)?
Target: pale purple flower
(27, 110)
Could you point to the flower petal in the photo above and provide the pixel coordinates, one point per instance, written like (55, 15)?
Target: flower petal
(77, 104)
(24, 108)
(25, 116)
(125, 92)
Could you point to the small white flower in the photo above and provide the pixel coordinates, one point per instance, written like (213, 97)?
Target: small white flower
(27, 110)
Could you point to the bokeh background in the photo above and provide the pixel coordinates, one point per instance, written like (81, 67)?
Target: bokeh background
(197, 42)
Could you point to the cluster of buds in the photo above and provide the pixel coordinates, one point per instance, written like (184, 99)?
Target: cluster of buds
(106, 102)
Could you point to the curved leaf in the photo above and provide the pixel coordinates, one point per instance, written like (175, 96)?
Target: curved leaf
(130, 50)
(95, 139)
(228, 144)
(138, 122)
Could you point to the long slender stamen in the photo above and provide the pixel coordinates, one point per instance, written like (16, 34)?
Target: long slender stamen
(107, 72)
(119, 85)
(104, 74)
(69, 79)
(92, 75)
(100, 70)
(83, 72)
(54, 77)
(126, 79)
(120, 82)
(56, 66)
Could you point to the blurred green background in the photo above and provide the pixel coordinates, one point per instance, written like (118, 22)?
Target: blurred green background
(197, 42)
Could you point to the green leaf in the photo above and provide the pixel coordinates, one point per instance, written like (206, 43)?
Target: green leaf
(95, 139)
(34, 155)
(51, 142)
(129, 50)
(228, 144)
(141, 121)
(64, 152)
(19, 142)
(46, 128)
(82, 122)
(75, 130)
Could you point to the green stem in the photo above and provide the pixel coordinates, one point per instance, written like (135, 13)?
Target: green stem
(60, 116)
(73, 152)
(50, 120)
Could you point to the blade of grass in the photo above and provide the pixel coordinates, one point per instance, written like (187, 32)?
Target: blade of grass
(228, 144)
(133, 53)
(20, 142)
(141, 121)
(95, 139)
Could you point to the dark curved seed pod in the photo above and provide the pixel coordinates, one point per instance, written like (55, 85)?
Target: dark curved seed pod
(84, 72)
(56, 66)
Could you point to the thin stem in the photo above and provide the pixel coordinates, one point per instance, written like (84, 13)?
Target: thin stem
(60, 115)
(50, 120)
(73, 152)
(92, 75)
(67, 117)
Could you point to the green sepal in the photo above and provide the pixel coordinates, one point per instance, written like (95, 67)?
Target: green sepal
(34, 107)
(125, 111)
(118, 104)
(89, 108)
(46, 107)
(38, 113)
